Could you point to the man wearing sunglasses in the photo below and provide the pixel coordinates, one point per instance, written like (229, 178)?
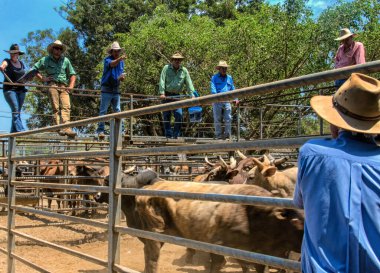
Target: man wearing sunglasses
(60, 76)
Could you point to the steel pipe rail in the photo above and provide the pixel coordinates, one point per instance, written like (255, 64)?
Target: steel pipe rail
(66, 155)
(219, 147)
(212, 197)
(85, 188)
(30, 264)
(58, 177)
(62, 217)
(217, 249)
(3, 250)
(66, 250)
(260, 89)
(120, 268)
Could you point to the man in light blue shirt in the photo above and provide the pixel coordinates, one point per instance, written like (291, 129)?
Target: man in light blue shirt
(339, 183)
(220, 83)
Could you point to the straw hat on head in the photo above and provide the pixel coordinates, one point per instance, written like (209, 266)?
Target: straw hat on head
(221, 64)
(15, 49)
(56, 43)
(355, 106)
(344, 34)
(114, 46)
(177, 56)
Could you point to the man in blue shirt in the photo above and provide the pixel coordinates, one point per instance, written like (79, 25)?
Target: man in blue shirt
(222, 82)
(339, 183)
(112, 75)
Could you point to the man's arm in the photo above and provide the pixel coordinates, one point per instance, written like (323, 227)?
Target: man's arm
(115, 62)
(212, 86)
(297, 196)
(40, 65)
(189, 84)
(72, 81)
(360, 55)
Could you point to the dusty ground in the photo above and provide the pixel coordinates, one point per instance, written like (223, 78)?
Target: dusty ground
(92, 241)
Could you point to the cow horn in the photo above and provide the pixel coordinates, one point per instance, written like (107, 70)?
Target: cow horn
(241, 155)
(259, 164)
(280, 161)
(233, 162)
(224, 164)
(130, 169)
(267, 160)
(209, 163)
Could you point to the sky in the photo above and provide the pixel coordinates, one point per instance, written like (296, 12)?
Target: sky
(19, 17)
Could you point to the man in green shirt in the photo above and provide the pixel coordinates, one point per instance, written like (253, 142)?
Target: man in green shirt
(58, 72)
(172, 81)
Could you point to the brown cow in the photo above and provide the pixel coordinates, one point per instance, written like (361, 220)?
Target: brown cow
(269, 230)
(219, 171)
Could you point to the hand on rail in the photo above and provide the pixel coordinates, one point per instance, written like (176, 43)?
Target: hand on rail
(47, 79)
(162, 96)
(236, 101)
(122, 77)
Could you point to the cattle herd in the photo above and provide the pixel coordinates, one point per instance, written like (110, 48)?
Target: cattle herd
(269, 230)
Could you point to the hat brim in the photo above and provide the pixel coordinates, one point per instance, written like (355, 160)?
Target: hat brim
(50, 48)
(345, 37)
(219, 66)
(323, 106)
(15, 51)
(110, 50)
(177, 58)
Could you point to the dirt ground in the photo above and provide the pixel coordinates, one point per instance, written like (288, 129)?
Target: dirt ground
(92, 241)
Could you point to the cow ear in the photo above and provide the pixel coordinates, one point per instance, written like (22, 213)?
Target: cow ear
(269, 171)
(232, 173)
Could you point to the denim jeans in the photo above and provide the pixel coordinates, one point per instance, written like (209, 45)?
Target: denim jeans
(15, 99)
(169, 133)
(222, 111)
(105, 101)
(338, 83)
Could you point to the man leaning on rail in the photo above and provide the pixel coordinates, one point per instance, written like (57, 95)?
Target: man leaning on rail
(338, 182)
(174, 77)
(58, 72)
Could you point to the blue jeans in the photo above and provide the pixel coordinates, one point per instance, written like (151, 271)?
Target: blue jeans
(177, 123)
(338, 83)
(15, 99)
(105, 101)
(222, 111)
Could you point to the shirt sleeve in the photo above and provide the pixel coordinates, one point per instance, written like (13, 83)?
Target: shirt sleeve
(189, 84)
(360, 55)
(212, 85)
(232, 83)
(162, 80)
(297, 197)
(39, 65)
(70, 68)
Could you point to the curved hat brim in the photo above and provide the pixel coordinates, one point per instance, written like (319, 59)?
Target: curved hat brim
(50, 48)
(345, 36)
(15, 51)
(323, 106)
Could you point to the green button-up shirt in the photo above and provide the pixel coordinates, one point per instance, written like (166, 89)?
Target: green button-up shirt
(61, 70)
(173, 81)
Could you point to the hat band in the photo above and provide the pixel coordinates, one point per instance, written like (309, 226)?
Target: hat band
(343, 110)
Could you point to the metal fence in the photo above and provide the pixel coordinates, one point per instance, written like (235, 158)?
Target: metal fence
(115, 154)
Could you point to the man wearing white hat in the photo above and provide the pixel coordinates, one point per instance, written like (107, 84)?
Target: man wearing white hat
(58, 72)
(112, 75)
(349, 52)
(338, 183)
(220, 83)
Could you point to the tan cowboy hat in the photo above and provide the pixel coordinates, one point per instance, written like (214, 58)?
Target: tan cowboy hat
(177, 56)
(355, 106)
(115, 46)
(56, 43)
(344, 34)
(15, 49)
(221, 64)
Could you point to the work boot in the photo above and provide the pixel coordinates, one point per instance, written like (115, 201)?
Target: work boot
(61, 132)
(101, 135)
(70, 133)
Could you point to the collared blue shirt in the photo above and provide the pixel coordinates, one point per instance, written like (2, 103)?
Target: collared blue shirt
(339, 188)
(220, 84)
(111, 74)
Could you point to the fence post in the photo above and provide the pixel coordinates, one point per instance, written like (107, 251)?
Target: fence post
(261, 123)
(11, 202)
(131, 120)
(321, 119)
(299, 127)
(238, 123)
(114, 199)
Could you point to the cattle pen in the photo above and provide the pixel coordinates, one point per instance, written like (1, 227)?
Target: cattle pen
(116, 154)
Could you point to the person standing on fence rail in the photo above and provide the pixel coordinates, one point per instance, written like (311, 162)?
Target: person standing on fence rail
(173, 79)
(58, 72)
(13, 70)
(349, 52)
(220, 83)
(112, 75)
(339, 182)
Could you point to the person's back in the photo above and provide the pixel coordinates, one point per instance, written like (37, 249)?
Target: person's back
(339, 188)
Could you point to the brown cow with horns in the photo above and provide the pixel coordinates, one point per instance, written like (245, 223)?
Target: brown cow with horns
(268, 230)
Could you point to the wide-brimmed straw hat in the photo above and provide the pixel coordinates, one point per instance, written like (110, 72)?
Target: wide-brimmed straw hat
(56, 43)
(222, 64)
(344, 34)
(114, 46)
(15, 49)
(355, 106)
(177, 56)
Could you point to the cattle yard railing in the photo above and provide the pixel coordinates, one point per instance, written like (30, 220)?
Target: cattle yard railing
(115, 154)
